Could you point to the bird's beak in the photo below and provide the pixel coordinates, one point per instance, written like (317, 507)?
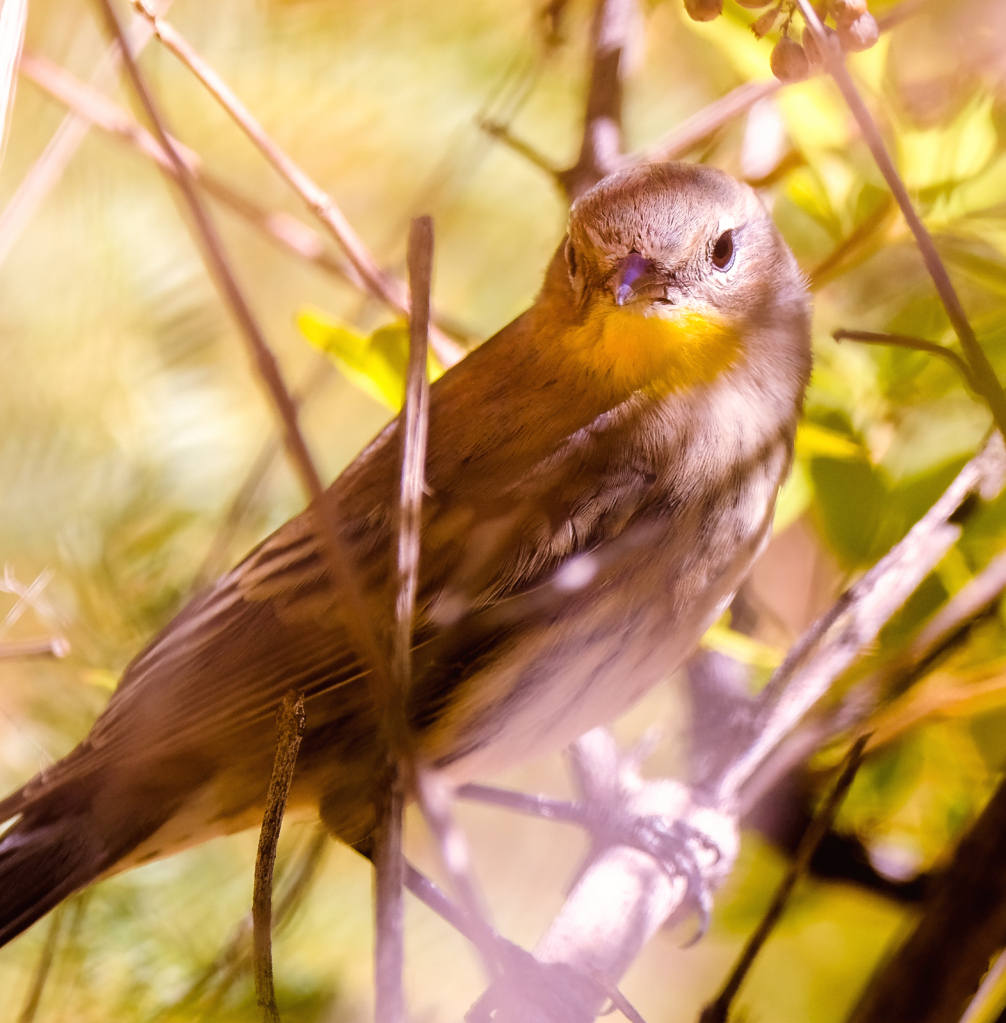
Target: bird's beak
(632, 275)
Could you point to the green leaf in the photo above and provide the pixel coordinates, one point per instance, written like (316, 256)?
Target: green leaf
(376, 364)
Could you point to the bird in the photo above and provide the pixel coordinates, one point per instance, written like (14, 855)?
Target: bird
(600, 476)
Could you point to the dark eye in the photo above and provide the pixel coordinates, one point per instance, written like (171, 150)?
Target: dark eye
(723, 251)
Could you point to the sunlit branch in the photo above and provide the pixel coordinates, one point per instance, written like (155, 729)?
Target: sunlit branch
(703, 124)
(718, 1011)
(601, 144)
(916, 344)
(383, 288)
(337, 558)
(986, 381)
(98, 110)
(47, 170)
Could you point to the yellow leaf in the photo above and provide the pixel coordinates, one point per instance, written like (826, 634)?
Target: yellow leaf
(376, 364)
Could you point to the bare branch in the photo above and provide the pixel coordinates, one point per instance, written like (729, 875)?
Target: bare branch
(290, 724)
(49, 646)
(386, 290)
(695, 130)
(917, 344)
(601, 147)
(339, 562)
(944, 632)
(13, 18)
(44, 967)
(48, 169)
(389, 864)
(719, 1010)
(933, 975)
(98, 110)
(831, 644)
(435, 803)
(501, 132)
(987, 382)
(857, 239)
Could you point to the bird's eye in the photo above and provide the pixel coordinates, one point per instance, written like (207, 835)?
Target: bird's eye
(723, 251)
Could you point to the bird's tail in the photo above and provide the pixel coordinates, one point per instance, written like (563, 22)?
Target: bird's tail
(46, 855)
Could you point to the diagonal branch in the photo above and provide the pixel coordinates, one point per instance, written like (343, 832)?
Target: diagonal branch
(47, 170)
(96, 109)
(388, 291)
(831, 52)
(339, 562)
(695, 130)
(601, 149)
(829, 647)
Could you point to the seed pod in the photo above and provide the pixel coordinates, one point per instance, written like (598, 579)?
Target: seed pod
(860, 34)
(788, 61)
(703, 10)
(765, 23)
(810, 47)
(846, 10)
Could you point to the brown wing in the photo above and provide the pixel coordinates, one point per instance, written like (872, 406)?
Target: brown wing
(501, 519)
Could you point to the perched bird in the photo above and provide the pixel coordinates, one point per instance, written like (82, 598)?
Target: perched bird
(601, 475)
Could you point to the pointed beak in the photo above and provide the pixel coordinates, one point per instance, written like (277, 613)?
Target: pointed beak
(632, 273)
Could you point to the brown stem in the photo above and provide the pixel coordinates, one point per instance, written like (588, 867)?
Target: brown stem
(389, 865)
(601, 146)
(933, 975)
(718, 1010)
(289, 732)
(694, 130)
(987, 383)
(337, 556)
(917, 344)
(44, 968)
(50, 646)
(322, 205)
(830, 645)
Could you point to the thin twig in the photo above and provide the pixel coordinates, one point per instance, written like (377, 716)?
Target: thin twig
(502, 132)
(289, 732)
(386, 290)
(601, 145)
(236, 955)
(49, 646)
(95, 109)
(413, 424)
(987, 383)
(337, 557)
(830, 645)
(695, 130)
(917, 344)
(44, 967)
(13, 18)
(47, 170)
(389, 865)
(933, 976)
(943, 633)
(435, 803)
(718, 1010)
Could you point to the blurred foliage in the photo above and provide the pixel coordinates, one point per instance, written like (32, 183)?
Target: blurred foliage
(131, 421)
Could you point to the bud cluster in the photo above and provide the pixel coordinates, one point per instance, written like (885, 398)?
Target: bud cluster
(791, 61)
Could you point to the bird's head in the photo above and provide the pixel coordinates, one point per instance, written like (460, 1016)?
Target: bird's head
(679, 273)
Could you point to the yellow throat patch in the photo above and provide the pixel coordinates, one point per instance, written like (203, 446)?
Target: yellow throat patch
(636, 350)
